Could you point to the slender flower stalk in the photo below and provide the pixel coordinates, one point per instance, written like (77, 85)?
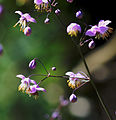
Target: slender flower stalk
(86, 66)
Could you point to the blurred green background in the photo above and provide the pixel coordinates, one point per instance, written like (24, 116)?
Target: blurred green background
(53, 47)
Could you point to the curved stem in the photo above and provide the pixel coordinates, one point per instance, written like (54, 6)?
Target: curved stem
(42, 65)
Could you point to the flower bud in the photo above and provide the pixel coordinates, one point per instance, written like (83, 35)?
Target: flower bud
(53, 68)
(1, 49)
(47, 21)
(32, 64)
(27, 31)
(91, 44)
(57, 11)
(79, 14)
(70, 1)
(73, 98)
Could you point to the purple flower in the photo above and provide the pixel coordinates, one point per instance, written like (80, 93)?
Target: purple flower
(33, 90)
(100, 30)
(73, 98)
(79, 14)
(32, 64)
(24, 19)
(75, 80)
(41, 5)
(25, 83)
(73, 29)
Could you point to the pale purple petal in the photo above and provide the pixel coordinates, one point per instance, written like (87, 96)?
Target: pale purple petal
(40, 89)
(19, 12)
(29, 18)
(90, 32)
(78, 75)
(38, 2)
(103, 23)
(103, 29)
(33, 82)
(20, 76)
(69, 73)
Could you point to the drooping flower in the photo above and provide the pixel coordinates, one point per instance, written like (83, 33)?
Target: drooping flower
(33, 90)
(73, 98)
(25, 83)
(73, 29)
(75, 80)
(32, 64)
(27, 31)
(91, 44)
(101, 30)
(41, 5)
(23, 20)
(47, 21)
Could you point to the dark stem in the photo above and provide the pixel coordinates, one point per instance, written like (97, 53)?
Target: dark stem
(42, 65)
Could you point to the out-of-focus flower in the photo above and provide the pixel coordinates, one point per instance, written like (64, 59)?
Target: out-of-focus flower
(63, 102)
(73, 98)
(57, 11)
(25, 83)
(33, 90)
(41, 5)
(91, 44)
(79, 14)
(70, 1)
(73, 29)
(23, 20)
(32, 64)
(47, 21)
(27, 31)
(1, 9)
(55, 114)
(101, 30)
(75, 80)
(1, 49)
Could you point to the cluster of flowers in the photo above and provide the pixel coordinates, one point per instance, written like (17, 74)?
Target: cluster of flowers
(40, 5)
(30, 86)
(98, 31)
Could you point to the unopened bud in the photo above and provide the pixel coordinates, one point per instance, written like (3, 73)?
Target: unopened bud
(53, 68)
(1, 49)
(32, 64)
(47, 21)
(79, 14)
(27, 31)
(91, 44)
(70, 1)
(57, 11)
(73, 98)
